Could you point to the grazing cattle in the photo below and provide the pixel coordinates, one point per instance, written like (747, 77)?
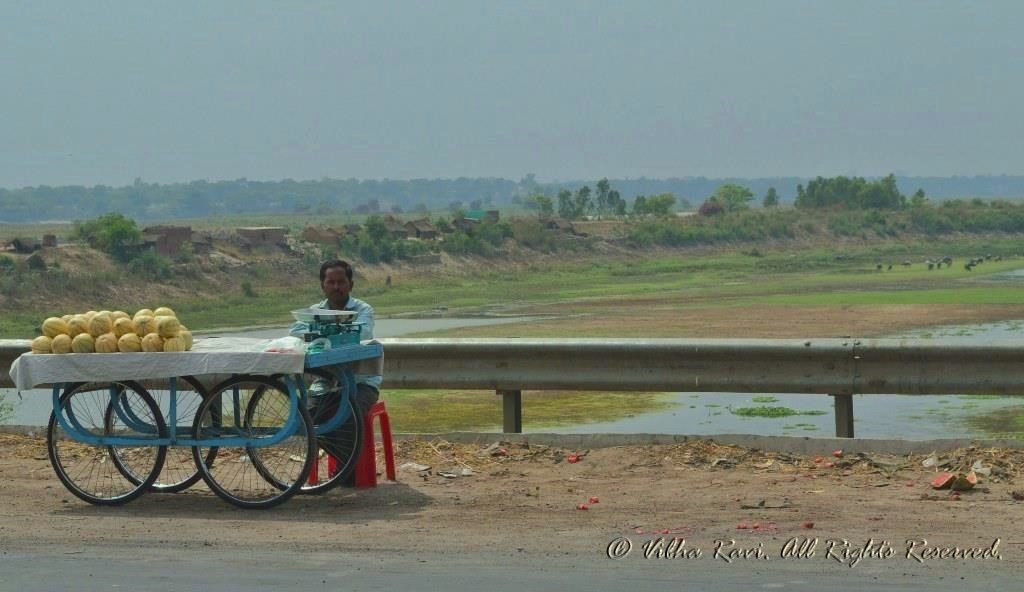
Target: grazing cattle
(878, 267)
(931, 265)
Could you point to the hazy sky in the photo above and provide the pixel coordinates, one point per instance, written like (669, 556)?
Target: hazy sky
(106, 91)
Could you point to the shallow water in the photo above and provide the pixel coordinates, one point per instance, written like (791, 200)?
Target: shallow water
(910, 417)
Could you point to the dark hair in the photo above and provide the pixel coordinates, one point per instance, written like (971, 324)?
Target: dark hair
(335, 263)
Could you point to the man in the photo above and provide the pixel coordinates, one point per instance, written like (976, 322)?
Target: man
(336, 282)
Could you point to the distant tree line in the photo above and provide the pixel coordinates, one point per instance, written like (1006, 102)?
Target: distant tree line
(201, 199)
(603, 202)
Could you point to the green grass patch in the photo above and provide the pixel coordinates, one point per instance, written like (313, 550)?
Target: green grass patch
(765, 399)
(431, 411)
(766, 411)
(1006, 422)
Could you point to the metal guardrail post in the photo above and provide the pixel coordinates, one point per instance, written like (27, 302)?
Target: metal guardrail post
(511, 411)
(844, 415)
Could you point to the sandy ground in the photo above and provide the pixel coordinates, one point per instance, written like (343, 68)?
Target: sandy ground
(519, 499)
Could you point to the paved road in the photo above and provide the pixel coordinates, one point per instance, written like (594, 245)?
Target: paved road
(111, 569)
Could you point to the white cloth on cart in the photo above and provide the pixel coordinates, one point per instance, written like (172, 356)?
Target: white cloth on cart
(218, 355)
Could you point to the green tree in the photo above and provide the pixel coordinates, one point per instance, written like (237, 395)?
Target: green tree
(918, 200)
(582, 204)
(541, 203)
(616, 203)
(655, 205)
(375, 229)
(602, 197)
(732, 198)
(640, 205)
(566, 208)
(661, 204)
(771, 199)
(111, 233)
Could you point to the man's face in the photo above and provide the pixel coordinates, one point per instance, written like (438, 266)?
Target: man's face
(336, 287)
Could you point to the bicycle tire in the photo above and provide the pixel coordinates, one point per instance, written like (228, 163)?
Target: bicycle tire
(234, 476)
(84, 404)
(179, 471)
(344, 444)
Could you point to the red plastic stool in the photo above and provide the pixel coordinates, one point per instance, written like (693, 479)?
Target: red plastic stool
(366, 465)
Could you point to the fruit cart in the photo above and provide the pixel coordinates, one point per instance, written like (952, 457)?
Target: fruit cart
(227, 412)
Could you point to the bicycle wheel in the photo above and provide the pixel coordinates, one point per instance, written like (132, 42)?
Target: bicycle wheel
(180, 471)
(86, 469)
(338, 450)
(247, 409)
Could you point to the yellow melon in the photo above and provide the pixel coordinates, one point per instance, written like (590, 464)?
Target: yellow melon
(100, 324)
(174, 344)
(89, 315)
(164, 311)
(167, 326)
(77, 325)
(186, 335)
(106, 344)
(144, 325)
(67, 317)
(118, 314)
(129, 342)
(54, 326)
(152, 343)
(143, 312)
(83, 343)
(123, 326)
(42, 345)
(61, 344)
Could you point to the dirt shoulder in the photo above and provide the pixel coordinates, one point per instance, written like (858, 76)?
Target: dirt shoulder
(520, 499)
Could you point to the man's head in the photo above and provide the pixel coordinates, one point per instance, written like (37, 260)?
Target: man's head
(336, 282)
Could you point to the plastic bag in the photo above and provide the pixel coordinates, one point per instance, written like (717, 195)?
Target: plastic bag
(287, 344)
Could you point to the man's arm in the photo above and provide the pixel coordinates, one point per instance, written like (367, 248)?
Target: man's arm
(298, 328)
(364, 315)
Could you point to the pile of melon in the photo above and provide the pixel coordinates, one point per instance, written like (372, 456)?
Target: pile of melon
(107, 332)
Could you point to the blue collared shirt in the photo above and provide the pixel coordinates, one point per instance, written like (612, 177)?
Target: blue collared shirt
(364, 315)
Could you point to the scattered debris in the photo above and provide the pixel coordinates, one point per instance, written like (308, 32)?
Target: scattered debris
(943, 480)
(575, 457)
(763, 505)
(965, 482)
(411, 466)
(955, 481)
